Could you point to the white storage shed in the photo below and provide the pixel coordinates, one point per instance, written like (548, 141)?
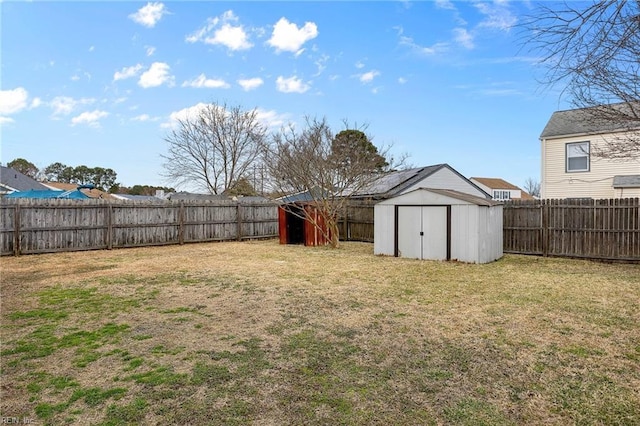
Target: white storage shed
(439, 224)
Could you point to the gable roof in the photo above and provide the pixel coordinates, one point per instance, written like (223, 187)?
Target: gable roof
(12, 180)
(497, 183)
(629, 181)
(393, 183)
(583, 122)
(451, 193)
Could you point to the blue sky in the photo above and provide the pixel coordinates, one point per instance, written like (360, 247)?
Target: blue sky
(100, 83)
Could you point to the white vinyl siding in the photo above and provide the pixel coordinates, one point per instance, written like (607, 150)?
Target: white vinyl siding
(597, 183)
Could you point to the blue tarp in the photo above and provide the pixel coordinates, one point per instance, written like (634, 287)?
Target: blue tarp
(73, 195)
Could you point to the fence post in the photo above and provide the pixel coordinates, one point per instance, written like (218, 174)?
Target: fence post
(16, 230)
(181, 223)
(109, 227)
(239, 220)
(545, 227)
(345, 223)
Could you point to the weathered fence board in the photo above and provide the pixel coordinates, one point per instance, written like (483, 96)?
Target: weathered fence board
(42, 226)
(595, 229)
(356, 224)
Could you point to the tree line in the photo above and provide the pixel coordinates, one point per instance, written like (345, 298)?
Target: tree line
(101, 178)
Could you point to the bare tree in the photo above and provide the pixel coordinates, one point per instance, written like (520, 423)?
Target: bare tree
(328, 170)
(532, 186)
(214, 149)
(592, 49)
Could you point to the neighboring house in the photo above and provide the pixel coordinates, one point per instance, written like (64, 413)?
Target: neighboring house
(439, 176)
(569, 168)
(500, 189)
(89, 192)
(13, 181)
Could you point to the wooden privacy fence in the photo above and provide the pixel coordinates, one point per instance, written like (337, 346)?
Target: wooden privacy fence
(44, 226)
(595, 229)
(356, 224)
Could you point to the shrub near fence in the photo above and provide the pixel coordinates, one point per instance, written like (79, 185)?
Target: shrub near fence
(595, 229)
(44, 226)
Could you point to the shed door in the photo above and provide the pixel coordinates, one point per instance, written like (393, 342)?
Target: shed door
(422, 232)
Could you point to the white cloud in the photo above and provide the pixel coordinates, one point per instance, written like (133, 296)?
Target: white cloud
(127, 72)
(497, 16)
(445, 4)
(36, 102)
(250, 83)
(271, 118)
(12, 101)
(6, 120)
(90, 118)
(92, 48)
(157, 75)
(150, 50)
(359, 65)
(221, 31)
(149, 15)
(368, 77)
(402, 80)
(203, 82)
(424, 50)
(144, 117)
(321, 63)
(288, 37)
(291, 85)
(463, 37)
(64, 105)
(183, 114)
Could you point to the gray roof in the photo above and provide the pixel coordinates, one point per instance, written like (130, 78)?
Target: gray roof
(629, 181)
(391, 184)
(301, 197)
(589, 120)
(451, 193)
(138, 197)
(188, 196)
(479, 201)
(14, 180)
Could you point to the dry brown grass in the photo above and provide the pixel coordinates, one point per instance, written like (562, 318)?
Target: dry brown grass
(256, 332)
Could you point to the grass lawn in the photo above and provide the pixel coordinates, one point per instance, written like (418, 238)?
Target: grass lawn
(255, 332)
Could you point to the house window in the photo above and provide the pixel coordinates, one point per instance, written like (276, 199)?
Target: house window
(578, 157)
(501, 195)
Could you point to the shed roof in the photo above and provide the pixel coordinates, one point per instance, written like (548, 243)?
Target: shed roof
(394, 183)
(584, 121)
(13, 180)
(456, 195)
(629, 181)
